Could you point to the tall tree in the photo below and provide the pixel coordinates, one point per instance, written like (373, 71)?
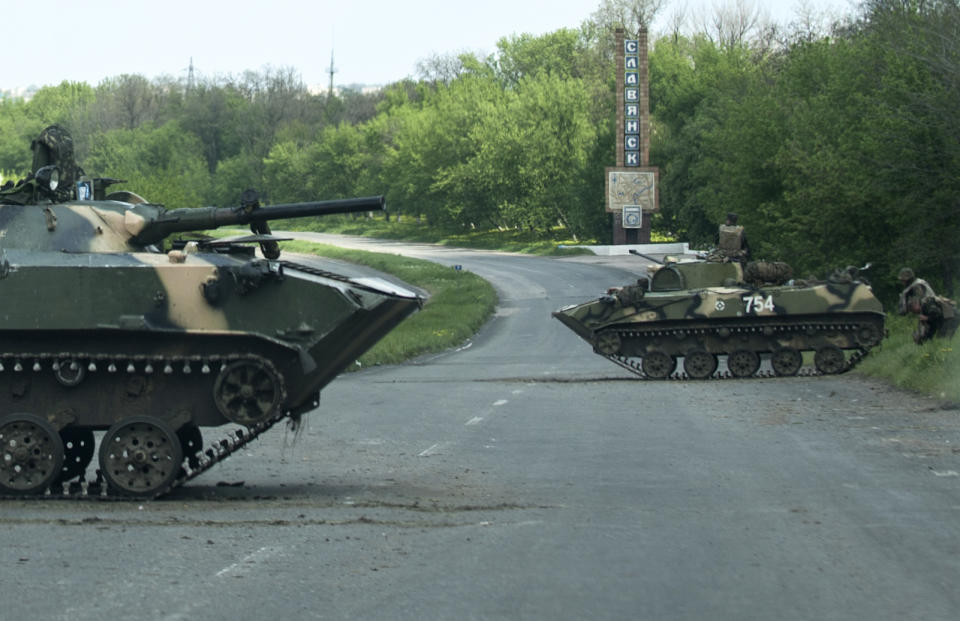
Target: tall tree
(127, 101)
(632, 15)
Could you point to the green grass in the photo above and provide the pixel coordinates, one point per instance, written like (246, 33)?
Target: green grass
(932, 368)
(460, 303)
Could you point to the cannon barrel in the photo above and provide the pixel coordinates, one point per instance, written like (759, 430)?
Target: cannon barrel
(204, 218)
(645, 256)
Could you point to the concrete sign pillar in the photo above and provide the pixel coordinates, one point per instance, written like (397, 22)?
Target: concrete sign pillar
(631, 186)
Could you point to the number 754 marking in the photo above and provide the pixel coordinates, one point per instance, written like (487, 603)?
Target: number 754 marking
(757, 303)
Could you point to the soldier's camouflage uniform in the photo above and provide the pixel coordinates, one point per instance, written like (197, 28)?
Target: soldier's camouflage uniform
(938, 314)
(54, 146)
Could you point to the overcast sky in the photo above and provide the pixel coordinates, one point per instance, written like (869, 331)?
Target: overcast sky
(373, 41)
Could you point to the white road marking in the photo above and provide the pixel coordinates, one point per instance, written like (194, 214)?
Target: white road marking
(248, 561)
(500, 402)
(474, 421)
(945, 473)
(433, 450)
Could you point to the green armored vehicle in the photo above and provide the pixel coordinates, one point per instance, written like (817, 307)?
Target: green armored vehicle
(103, 332)
(703, 311)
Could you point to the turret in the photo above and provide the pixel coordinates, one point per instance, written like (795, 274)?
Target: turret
(58, 208)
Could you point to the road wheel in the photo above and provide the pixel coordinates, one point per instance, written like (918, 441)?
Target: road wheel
(140, 456)
(743, 363)
(830, 360)
(699, 364)
(786, 361)
(658, 365)
(31, 454)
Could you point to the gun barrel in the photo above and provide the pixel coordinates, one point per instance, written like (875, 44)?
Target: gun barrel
(204, 218)
(647, 257)
(316, 208)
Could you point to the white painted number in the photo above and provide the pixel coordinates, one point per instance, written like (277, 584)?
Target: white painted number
(757, 303)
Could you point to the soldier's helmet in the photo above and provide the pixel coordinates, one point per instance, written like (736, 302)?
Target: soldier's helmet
(906, 274)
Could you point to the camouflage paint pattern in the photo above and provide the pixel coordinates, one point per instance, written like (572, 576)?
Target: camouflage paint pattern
(102, 330)
(76, 283)
(705, 307)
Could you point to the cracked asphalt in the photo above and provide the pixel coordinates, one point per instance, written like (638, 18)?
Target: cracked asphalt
(523, 477)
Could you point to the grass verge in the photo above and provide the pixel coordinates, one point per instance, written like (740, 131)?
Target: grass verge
(932, 368)
(460, 303)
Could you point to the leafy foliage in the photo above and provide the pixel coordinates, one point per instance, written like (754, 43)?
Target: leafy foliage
(164, 163)
(835, 150)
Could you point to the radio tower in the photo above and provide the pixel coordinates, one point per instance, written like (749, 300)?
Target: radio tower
(190, 83)
(332, 70)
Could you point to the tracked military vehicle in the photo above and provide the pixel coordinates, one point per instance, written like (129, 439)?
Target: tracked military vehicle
(704, 312)
(103, 331)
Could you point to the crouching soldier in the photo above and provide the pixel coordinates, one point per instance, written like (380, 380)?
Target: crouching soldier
(936, 314)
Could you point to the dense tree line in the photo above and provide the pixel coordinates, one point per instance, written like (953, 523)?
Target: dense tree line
(835, 149)
(836, 145)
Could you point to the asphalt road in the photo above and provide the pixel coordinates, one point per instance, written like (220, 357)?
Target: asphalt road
(523, 477)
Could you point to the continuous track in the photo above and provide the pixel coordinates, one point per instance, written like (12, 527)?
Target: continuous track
(192, 466)
(770, 330)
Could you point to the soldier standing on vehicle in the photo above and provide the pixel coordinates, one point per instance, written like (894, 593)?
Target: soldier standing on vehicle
(936, 315)
(732, 241)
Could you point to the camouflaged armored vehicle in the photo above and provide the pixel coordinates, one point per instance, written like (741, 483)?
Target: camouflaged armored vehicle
(104, 332)
(705, 313)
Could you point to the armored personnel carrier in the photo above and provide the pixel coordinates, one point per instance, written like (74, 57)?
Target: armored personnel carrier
(103, 331)
(705, 313)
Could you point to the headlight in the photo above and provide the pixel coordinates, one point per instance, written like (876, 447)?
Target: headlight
(48, 177)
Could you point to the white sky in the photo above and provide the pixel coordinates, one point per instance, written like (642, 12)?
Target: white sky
(374, 41)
